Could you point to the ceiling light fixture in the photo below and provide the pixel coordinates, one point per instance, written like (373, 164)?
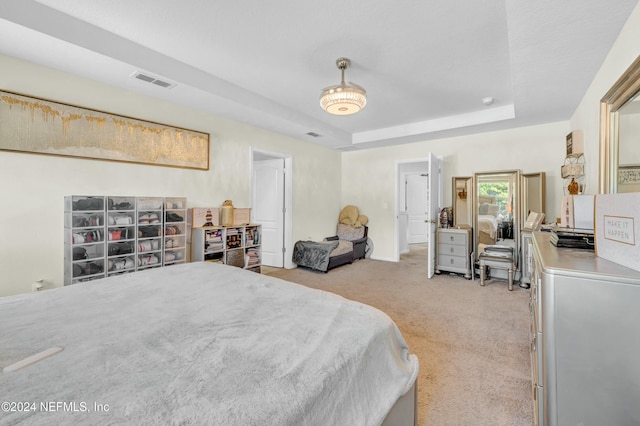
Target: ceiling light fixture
(343, 98)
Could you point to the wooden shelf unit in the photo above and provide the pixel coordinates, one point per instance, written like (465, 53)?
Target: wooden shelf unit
(238, 245)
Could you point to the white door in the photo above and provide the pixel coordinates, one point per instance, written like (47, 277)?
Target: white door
(416, 187)
(268, 208)
(435, 205)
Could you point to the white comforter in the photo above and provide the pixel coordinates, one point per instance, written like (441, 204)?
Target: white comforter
(200, 343)
(488, 224)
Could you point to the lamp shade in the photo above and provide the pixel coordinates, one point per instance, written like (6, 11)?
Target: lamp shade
(343, 98)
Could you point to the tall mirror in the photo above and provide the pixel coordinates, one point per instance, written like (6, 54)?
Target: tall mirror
(496, 213)
(533, 194)
(462, 200)
(619, 134)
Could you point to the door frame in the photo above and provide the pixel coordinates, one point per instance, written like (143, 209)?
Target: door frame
(288, 199)
(397, 177)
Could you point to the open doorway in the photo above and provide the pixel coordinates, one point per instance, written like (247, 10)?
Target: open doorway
(412, 206)
(271, 205)
(418, 203)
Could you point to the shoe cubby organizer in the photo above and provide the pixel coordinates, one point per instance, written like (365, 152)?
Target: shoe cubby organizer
(110, 235)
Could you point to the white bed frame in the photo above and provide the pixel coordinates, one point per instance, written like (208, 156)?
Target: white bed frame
(405, 410)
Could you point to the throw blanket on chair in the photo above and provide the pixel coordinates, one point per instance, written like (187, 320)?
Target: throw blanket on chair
(313, 254)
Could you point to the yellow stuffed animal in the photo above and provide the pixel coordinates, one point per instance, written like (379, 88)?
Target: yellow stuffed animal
(350, 215)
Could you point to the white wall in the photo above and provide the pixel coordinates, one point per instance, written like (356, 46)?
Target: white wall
(33, 186)
(368, 176)
(587, 116)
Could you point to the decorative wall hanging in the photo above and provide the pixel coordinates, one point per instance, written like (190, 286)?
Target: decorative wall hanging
(41, 126)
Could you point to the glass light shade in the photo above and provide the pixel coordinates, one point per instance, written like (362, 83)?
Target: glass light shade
(343, 99)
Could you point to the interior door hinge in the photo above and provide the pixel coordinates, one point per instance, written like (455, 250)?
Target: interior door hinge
(284, 249)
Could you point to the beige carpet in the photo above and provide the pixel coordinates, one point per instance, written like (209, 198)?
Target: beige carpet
(472, 341)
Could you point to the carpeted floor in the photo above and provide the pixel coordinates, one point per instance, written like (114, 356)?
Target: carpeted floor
(472, 341)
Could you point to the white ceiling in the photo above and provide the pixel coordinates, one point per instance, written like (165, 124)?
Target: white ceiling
(426, 65)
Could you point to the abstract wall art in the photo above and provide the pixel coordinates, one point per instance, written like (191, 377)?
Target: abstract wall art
(40, 126)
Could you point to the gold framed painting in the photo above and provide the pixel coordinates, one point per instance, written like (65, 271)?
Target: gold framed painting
(41, 126)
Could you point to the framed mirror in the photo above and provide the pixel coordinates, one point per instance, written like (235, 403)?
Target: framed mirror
(462, 200)
(496, 212)
(533, 194)
(619, 169)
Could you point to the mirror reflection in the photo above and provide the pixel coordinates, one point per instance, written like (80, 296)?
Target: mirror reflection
(462, 197)
(533, 194)
(496, 209)
(619, 169)
(628, 152)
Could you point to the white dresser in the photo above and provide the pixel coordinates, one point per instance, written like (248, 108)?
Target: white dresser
(585, 338)
(453, 251)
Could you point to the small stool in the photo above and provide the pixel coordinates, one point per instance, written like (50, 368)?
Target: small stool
(499, 257)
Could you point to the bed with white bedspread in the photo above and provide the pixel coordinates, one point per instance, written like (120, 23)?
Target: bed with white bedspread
(201, 343)
(487, 229)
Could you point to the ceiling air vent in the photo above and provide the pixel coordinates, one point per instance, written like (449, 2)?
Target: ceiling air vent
(153, 80)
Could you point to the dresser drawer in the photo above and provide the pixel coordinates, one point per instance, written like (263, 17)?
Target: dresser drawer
(452, 250)
(456, 238)
(446, 261)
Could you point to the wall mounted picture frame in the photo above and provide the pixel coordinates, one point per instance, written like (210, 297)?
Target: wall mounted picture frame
(39, 126)
(575, 142)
